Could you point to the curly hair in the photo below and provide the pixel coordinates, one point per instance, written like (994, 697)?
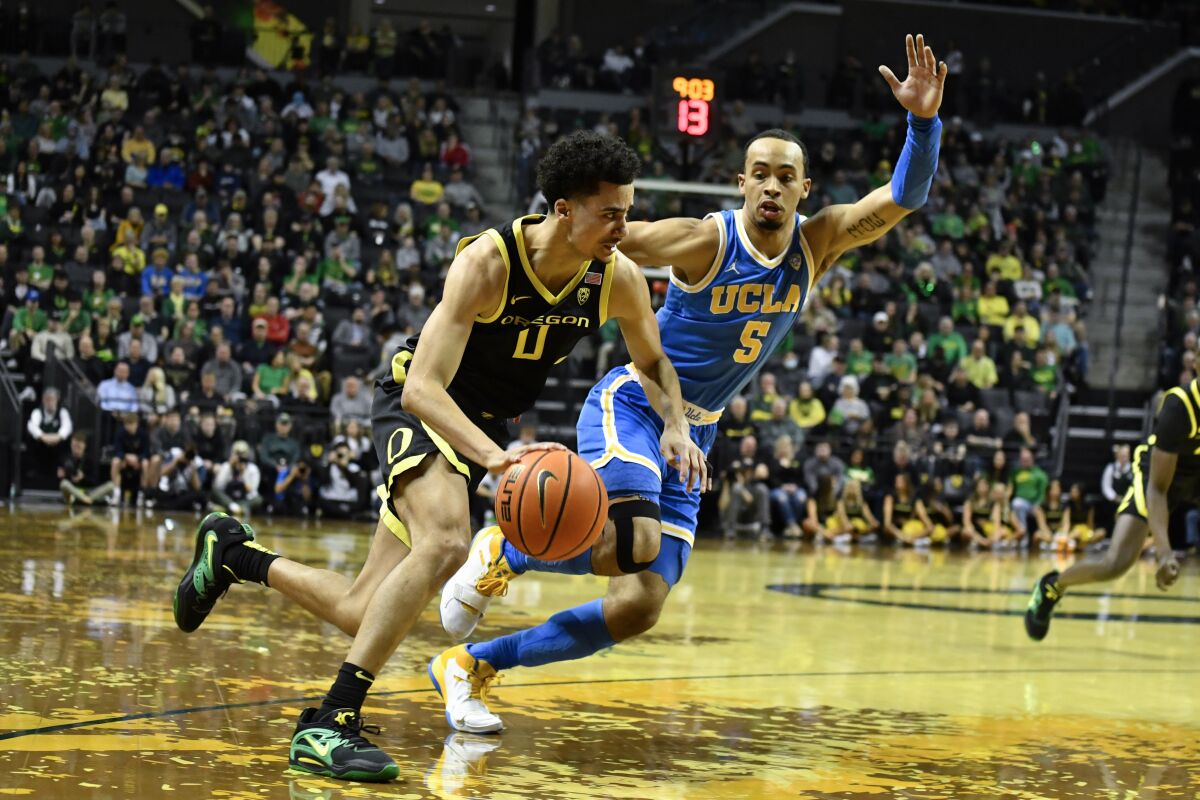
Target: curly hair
(577, 164)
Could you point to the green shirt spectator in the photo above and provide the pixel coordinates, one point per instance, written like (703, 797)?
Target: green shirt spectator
(901, 363)
(271, 377)
(965, 307)
(40, 271)
(29, 318)
(949, 223)
(78, 319)
(1029, 483)
(949, 341)
(1044, 374)
(95, 301)
(859, 362)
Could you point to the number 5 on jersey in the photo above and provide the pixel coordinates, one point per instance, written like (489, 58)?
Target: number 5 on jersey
(752, 338)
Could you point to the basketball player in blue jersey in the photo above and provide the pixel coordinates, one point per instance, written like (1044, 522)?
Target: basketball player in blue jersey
(739, 280)
(517, 299)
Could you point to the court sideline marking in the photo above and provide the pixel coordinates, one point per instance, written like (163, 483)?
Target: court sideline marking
(175, 712)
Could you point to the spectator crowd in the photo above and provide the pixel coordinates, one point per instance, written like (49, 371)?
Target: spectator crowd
(231, 262)
(227, 263)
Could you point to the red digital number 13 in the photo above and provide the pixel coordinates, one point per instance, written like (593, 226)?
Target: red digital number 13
(693, 117)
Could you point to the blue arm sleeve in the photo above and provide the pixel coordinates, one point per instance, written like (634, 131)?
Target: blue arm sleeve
(917, 163)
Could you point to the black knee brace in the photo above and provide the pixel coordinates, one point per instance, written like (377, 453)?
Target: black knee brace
(622, 515)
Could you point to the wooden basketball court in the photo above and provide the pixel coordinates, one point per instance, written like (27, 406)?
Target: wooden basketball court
(775, 672)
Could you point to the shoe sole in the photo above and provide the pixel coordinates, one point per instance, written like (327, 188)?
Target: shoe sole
(388, 774)
(441, 604)
(438, 688)
(1032, 631)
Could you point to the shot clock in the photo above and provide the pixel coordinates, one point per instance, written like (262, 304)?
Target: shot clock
(688, 103)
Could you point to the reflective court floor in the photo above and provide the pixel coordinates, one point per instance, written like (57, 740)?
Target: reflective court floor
(775, 671)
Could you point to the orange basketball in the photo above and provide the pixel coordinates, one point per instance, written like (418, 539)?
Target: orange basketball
(551, 505)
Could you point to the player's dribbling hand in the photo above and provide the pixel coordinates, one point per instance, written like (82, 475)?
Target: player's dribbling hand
(1168, 571)
(688, 459)
(503, 459)
(921, 91)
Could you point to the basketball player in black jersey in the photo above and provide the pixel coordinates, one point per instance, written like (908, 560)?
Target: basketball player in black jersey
(1166, 472)
(516, 301)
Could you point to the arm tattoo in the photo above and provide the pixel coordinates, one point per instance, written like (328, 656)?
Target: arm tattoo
(867, 225)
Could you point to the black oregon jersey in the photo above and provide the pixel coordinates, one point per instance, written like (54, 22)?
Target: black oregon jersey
(1175, 431)
(1054, 514)
(510, 352)
(902, 510)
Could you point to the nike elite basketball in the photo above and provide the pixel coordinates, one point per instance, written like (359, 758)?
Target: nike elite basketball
(551, 505)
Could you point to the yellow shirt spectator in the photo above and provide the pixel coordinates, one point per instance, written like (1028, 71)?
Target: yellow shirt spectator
(980, 369)
(807, 413)
(427, 192)
(1009, 266)
(133, 258)
(992, 307)
(1005, 261)
(135, 144)
(1033, 329)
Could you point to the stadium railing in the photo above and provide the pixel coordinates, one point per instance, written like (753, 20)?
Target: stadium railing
(1127, 259)
(10, 435)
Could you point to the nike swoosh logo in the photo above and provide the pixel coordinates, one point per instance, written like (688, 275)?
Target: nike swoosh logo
(210, 541)
(359, 674)
(322, 749)
(518, 298)
(542, 477)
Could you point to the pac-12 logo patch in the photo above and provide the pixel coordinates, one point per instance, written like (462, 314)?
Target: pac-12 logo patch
(797, 261)
(583, 294)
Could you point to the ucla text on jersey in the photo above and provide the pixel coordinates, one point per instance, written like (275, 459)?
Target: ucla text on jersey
(720, 332)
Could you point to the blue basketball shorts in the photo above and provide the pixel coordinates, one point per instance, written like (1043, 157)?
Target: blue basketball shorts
(618, 433)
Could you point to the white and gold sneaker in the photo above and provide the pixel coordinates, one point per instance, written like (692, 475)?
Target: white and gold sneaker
(485, 575)
(463, 681)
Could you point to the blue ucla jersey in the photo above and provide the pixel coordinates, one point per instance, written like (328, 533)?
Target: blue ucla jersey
(720, 332)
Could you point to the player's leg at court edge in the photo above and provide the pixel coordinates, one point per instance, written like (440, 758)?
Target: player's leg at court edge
(237, 557)
(629, 544)
(463, 673)
(1129, 535)
(331, 596)
(431, 500)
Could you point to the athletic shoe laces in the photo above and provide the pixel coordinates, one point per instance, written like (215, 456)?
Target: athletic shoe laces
(495, 582)
(354, 730)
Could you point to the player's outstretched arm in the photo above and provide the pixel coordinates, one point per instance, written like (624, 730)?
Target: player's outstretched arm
(474, 288)
(836, 229)
(1162, 472)
(658, 377)
(686, 244)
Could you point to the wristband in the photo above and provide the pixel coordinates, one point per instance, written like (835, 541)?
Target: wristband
(917, 163)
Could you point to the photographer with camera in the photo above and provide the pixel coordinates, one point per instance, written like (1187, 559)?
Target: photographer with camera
(745, 499)
(343, 489)
(235, 486)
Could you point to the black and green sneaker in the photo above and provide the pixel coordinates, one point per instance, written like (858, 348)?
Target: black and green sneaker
(1046, 595)
(332, 744)
(208, 579)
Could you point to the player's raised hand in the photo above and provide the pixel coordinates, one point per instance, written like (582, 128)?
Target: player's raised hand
(921, 91)
(503, 459)
(1168, 571)
(685, 456)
